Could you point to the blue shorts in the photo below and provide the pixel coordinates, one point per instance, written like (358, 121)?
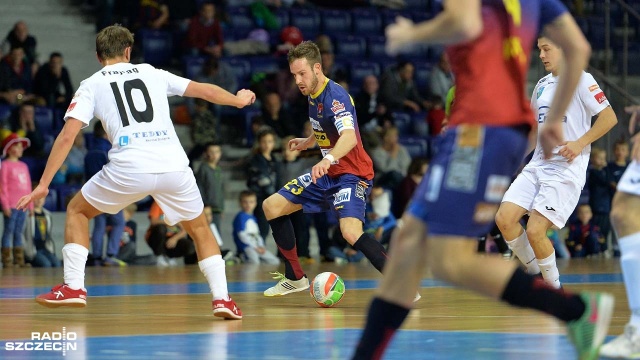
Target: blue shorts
(467, 178)
(346, 194)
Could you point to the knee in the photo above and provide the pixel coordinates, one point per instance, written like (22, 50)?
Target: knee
(536, 233)
(268, 207)
(351, 236)
(620, 215)
(504, 220)
(446, 268)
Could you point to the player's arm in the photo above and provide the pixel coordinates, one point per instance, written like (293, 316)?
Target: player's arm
(345, 143)
(217, 95)
(59, 152)
(605, 121)
(460, 20)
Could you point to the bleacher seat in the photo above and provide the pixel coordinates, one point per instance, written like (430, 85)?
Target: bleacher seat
(157, 46)
(366, 22)
(422, 74)
(44, 120)
(350, 46)
(389, 16)
(193, 65)
(241, 68)
(283, 18)
(418, 5)
(336, 22)
(417, 147)
(65, 192)
(308, 21)
(51, 201)
(375, 47)
(265, 64)
(240, 19)
(402, 121)
(35, 165)
(49, 139)
(359, 70)
(5, 112)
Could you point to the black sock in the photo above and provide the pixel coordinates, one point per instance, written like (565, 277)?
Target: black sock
(528, 291)
(372, 249)
(285, 239)
(383, 321)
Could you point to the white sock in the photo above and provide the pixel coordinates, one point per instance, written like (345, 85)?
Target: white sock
(630, 261)
(75, 259)
(213, 269)
(550, 270)
(523, 250)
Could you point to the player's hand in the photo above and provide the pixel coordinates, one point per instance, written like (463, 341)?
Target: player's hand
(635, 150)
(571, 150)
(38, 193)
(261, 250)
(551, 135)
(247, 97)
(298, 144)
(6, 212)
(320, 169)
(399, 35)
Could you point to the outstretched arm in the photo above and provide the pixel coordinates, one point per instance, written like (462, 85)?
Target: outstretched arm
(217, 95)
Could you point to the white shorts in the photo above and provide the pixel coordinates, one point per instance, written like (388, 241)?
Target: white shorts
(176, 193)
(630, 181)
(547, 191)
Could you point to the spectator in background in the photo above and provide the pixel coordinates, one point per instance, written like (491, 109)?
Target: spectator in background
(128, 240)
(262, 175)
(277, 118)
(168, 242)
(38, 236)
(246, 234)
(368, 105)
(16, 78)
(153, 14)
(441, 79)
(15, 182)
(52, 82)
(598, 183)
(72, 170)
(379, 221)
(290, 36)
(210, 182)
(390, 160)
(204, 35)
(398, 90)
(219, 73)
(24, 125)
(403, 192)
(584, 236)
(615, 169)
(204, 125)
(329, 68)
(19, 37)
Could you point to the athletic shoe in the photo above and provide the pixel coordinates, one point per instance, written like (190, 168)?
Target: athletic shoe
(63, 295)
(625, 346)
(113, 261)
(417, 297)
(286, 286)
(226, 309)
(588, 332)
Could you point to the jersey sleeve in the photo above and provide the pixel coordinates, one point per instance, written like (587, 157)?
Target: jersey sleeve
(82, 105)
(343, 111)
(549, 11)
(591, 94)
(176, 85)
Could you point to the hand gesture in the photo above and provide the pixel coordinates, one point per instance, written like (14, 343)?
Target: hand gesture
(570, 150)
(298, 144)
(247, 97)
(320, 169)
(551, 135)
(38, 193)
(398, 35)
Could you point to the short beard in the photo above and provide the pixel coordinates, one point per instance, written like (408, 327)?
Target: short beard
(314, 84)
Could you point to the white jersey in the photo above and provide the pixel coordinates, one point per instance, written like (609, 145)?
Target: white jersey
(131, 102)
(588, 101)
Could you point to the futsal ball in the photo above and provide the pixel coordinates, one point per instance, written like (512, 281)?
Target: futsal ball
(327, 289)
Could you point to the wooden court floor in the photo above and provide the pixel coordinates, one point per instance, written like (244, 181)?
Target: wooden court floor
(165, 313)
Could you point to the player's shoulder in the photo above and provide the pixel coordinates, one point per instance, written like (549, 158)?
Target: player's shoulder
(544, 80)
(336, 97)
(587, 78)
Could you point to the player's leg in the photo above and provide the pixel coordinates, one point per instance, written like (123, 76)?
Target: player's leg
(514, 205)
(625, 213)
(537, 227)
(373, 250)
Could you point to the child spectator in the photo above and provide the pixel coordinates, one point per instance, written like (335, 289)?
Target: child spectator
(211, 183)
(128, 243)
(15, 182)
(204, 35)
(598, 182)
(584, 236)
(246, 235)
(168, 242)
(262, 176)
(38, 234)
(379, 220)
(341, 252)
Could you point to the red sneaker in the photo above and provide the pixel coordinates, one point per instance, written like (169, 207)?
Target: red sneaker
(226, 309)
(63, 295)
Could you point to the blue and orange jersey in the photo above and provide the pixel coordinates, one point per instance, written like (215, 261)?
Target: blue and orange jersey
(490, 71)
(331, 111)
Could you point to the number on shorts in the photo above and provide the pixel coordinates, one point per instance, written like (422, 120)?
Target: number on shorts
(294, 187)
(139, 116)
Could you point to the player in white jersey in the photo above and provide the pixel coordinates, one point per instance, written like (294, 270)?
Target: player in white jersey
(549, 188)
(146, 158)
(625, 215)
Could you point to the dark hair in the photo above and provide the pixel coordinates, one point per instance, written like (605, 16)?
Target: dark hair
(620, 141)
(246, 193)
(212, 143)
(55, 54)
(415, 167)
(112, 41)
(98, 130)
(305, 50)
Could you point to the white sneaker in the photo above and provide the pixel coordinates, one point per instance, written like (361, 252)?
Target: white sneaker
(625, 346)
(163, 261)
(418, 297)
(286, 286)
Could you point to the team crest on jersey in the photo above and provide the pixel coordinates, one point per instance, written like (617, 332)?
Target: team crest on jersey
(320, 110)
(341, 196)
(600, 97)
(539, 93)
(337, 106)
(315, 124)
